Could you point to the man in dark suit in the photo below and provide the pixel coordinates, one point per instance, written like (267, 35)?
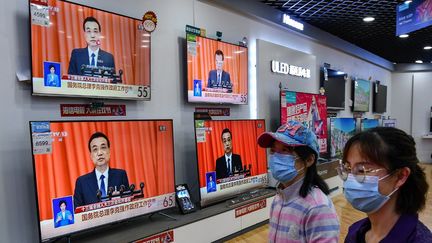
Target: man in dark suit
(102, 177)
(229, 163)
(219, 78)
(91, 55)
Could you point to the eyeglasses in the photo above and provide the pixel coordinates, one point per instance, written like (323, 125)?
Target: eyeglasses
(359, 171)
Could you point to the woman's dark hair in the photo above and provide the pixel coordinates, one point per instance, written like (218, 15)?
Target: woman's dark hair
(51, 66)
(311, 178)
(393, 149)
(61, 202)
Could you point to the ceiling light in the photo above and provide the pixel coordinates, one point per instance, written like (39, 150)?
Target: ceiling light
(403, 36)
(419, 61)
(408, 2)
(427, 47)
(368, 19)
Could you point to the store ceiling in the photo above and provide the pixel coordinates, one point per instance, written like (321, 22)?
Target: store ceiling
(344, 18)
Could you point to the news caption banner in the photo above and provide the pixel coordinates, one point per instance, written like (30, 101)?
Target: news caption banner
(107, 212)
(76, 85)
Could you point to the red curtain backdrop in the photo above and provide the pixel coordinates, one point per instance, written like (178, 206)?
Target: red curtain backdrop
(235, 63)
(244, 141)
(136, 146)
(120, 37)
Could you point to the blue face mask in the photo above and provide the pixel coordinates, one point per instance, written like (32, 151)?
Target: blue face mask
(282, 167)
(365, 196)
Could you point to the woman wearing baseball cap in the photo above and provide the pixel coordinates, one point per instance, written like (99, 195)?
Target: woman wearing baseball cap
(301, 210)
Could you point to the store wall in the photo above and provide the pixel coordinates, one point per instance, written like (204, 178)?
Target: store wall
(18, 212)
(414, 104)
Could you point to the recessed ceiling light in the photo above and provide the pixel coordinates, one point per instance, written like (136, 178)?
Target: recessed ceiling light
(427, 47)
(403, 36)
(408, 2)
(368, 19)
(419, 61)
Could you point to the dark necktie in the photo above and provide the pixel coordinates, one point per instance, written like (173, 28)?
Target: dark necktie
(102, 186)
(219, 80)
(93, 60)
(229, 166)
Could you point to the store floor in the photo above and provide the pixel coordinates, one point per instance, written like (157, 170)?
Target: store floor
(347, 215)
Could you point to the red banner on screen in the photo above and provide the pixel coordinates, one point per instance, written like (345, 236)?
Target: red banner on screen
(72, 110)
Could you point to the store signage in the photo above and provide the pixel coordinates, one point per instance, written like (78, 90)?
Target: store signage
(214, 111)
(285, 68)
(167, 236)
(73, 110)
(286, 19)
(250, 208)
(412, 16)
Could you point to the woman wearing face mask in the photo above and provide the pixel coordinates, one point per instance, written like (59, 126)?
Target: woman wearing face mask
(382, 178)
(301, 210)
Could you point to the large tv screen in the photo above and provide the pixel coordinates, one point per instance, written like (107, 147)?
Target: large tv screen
(341, 130)
(85, 52)
(333, 82)
(367, 124)
(217, 71)
(91, 173)
(379, 98)
(309, 109)
(229, 158)
(361, 95)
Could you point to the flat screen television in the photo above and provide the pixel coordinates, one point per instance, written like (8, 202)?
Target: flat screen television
(217, 72)
(388, 123)
(136, 158)
(333, 82)
(379, 98)
(229, 159)
(86, 52)
(367, 124)
(341, 130)
(361, 95)
(309, 109)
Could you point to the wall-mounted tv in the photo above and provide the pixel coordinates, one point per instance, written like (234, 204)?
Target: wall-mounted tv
(333, 82)
(309, 109)
(361, 95)
(229, 158)
(91, 173)
(341, 130)
(379, 98)
(217, 72)
(85, 52)
(367, 124)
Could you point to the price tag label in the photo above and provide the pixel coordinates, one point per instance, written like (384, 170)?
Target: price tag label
(39, 15)
(42, 143)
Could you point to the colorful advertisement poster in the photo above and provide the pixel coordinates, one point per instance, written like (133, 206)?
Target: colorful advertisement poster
(309, 109)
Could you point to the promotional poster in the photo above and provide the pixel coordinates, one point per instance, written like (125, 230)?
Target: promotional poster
(82, 51)
(90, 173)
(309, 109)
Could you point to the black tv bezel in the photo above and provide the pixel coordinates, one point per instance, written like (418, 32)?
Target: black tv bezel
(105, 224)
(221, 103)
(353, 95)
(222, 198)
(322, 82)
(376, 88)
(84, 96)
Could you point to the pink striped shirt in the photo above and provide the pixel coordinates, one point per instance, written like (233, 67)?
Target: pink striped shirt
(297, 219)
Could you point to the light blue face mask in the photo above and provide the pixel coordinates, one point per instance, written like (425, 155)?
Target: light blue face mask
(282, 167)
(365, 196)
